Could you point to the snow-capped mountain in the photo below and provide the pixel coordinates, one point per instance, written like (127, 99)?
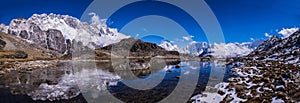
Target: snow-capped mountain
(197, 48)
(223, 50)
(286, 50)
(60, 32)
(170, 46)
(228, 50)
(254, 44)
(57, 32)
(220, 50)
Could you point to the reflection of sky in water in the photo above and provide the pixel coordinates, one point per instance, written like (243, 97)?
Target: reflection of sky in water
(210, 73)
(98, 82)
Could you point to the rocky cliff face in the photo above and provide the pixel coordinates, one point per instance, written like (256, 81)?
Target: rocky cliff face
(51, 39)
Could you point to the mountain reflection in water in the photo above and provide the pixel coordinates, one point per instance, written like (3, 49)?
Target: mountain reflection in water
(66, 84)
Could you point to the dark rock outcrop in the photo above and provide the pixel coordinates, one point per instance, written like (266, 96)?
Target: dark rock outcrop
(56, 41)
(24, 34)
(137, 48)
(2, 43)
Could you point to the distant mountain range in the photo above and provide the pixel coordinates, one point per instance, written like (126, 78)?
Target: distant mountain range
(60, 32)
(60, 35)
(221, 50)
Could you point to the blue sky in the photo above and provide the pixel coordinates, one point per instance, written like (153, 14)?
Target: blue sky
(11, 9)
(240, 20)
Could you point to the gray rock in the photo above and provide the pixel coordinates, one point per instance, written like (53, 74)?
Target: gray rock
(38, 36)
(56, 41)
(2, 43)
(228, 98)
(23, 34)
(51, 39)
(71, 22)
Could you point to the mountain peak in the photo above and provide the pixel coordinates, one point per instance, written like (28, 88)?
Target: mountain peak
(274, 37)
(286, 49)
(170, 46)
(42, 29)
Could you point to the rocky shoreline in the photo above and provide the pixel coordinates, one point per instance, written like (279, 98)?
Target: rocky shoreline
(257, 82)
(6, 67)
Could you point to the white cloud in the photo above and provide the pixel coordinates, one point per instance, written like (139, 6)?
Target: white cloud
(268, 35)
(286, 32)
(188, 38)
(137, 35)
(252, 39)
(95, 18)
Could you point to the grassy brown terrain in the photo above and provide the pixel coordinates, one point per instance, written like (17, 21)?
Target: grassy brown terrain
(14, 45)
